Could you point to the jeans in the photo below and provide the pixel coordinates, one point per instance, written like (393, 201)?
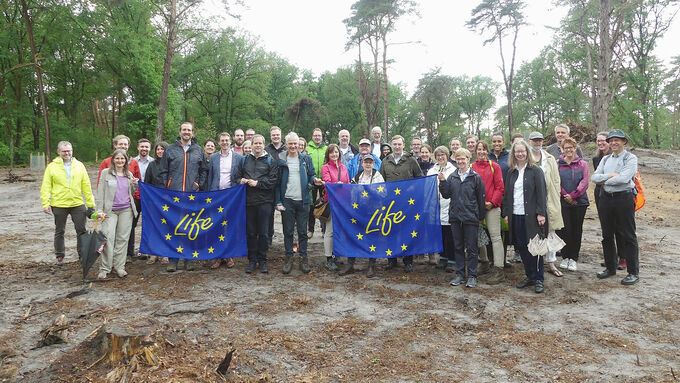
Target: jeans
(135, 219)
(572, 232)
(78, 216)
(533, 266)
(296, 214)
(617, 217)
(257, 230)
(465, 238)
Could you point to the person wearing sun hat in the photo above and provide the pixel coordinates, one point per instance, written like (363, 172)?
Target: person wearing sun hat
(617, 206)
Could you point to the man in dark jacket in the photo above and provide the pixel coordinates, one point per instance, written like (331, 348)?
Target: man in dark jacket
(260, 173)
(183, 167)
(292, 199)
(400, 166)
(275, 147)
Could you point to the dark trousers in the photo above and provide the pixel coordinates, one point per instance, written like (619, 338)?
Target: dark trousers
(296, 214)
(316, 193)
(619, 242)
(257, 230)
(78, 216)
(408, 260)
(572, 232)
(533, 266)
(447, 253)
(135, 219)
(617, 217)
(465, 238)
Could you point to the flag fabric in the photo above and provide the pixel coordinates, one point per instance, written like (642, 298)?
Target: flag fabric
(198, 225)
(386, 220)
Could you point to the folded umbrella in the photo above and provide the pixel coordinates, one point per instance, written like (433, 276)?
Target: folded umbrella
(91, 246)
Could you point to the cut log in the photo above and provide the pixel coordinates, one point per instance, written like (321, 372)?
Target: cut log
(116, 343)
(55, 333)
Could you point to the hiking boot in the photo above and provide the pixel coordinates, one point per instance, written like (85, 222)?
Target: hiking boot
(288, 266)
(189, 266)
(496, 276)
(347, 269)
(263, 267)
(172, 267)
(251, 267)
(457, 280)
(471, 282)
(371, 270)
(330, 264)
(450, 267)
(483, 268)
(304, 265)
(408, 268)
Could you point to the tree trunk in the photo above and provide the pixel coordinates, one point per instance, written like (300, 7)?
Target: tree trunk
(385, 88)
(114, 124)
(167, 66)
(605, 51)
(38, 72)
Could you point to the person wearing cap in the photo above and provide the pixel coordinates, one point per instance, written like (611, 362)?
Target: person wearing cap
(561, 132)
(353, 166)
(367, 175)
(548, 164)
(617, 206)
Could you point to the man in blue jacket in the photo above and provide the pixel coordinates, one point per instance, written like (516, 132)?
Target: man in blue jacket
(353, 165)
(221, 175)
(183, 167)
(292, 199)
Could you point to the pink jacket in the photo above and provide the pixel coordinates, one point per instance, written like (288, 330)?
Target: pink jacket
(329, 174)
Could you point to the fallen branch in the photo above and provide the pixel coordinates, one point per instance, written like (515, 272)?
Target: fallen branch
(185, 311)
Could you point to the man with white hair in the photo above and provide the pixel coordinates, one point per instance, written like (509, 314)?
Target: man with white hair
(292, 199)
(347, 150)
(561, 132)
(376, 141)
(64, 185)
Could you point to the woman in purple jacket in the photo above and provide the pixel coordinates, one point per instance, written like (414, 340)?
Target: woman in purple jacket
(574, 179)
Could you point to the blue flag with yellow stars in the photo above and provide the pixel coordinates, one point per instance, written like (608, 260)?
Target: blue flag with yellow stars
(198, 225)
(386, 220)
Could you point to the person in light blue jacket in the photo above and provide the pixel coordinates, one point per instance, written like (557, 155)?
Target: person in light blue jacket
(353, 166)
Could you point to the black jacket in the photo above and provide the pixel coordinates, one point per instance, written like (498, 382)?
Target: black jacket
(275, 152)
(467, 197)
(153, 174)
(535, 199)
(183, 171)
(263, 169)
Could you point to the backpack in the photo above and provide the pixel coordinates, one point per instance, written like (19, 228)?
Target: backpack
(637, 181)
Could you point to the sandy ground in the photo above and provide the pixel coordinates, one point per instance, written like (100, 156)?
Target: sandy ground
(322, 327)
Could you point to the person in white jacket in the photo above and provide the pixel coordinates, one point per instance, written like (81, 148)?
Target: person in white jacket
(442, 165)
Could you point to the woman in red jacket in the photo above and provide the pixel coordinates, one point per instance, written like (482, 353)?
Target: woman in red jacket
(492, 176)
(333, 171)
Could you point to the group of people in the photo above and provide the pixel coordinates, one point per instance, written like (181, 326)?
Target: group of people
(487, 194)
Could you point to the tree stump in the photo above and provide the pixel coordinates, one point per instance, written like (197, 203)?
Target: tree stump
(116, 343)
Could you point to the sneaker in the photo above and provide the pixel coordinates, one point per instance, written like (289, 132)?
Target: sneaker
(471, 282)
(622, 264)
(263, 267)
(60, 260)
(330, 264)
(565, 263)
(457, 280)
(630, 279)
(101, 275)
(517, 258)
(572, 265)
(172, 267)
(310, 234)
(251, 267)
(121, 273)
(348, 269)
(304, 265)
(189, 266)
(288, 266)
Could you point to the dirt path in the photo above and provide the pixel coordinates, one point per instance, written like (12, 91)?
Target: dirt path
(325, 328)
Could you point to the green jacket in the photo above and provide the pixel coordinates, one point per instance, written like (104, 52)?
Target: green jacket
(318, 155)
(406, 168)
(57, 191)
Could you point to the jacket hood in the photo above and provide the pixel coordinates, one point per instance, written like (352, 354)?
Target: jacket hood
(178, 141)
(313, 144)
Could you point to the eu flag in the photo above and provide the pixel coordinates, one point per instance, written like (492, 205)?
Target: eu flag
(386, 220)
(198, 225)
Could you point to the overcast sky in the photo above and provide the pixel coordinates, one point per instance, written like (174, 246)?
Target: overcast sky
(311, 35)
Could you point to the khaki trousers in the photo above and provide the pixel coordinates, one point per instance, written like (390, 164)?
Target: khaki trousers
(116, 227)
(493, 224)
